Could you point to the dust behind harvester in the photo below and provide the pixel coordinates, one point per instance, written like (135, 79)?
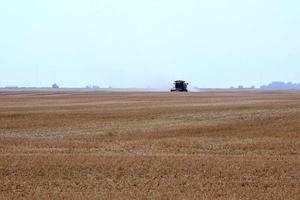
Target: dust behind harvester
(180, 86)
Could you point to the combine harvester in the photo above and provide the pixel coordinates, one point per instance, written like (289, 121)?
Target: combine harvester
(180, 86)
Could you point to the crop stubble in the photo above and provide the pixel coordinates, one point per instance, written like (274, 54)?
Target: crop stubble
(110, 145)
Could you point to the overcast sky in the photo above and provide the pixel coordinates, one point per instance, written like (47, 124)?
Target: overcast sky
(141, 43)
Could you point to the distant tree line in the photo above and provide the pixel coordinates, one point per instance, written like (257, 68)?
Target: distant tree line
(277, 85)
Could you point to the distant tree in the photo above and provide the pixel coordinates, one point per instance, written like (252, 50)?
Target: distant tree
(55, 86)
(241, 87)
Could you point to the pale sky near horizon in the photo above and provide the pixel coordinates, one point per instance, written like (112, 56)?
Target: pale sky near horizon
(141, 43)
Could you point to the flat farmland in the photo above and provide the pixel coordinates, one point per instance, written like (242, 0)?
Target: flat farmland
(127, 145)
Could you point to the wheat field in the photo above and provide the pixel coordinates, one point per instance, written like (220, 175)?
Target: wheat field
(134, 145)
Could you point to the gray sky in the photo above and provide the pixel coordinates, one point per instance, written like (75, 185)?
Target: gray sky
(133, 43)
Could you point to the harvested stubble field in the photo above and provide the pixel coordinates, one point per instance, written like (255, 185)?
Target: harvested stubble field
(110, 145)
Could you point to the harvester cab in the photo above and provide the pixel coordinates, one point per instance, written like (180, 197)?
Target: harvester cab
(180, 86)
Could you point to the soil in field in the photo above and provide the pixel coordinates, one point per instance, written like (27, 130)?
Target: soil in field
(110, 145)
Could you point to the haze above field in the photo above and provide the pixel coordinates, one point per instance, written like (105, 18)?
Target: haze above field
(138, 43)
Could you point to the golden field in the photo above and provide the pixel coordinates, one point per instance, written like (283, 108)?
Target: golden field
(135, 145)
